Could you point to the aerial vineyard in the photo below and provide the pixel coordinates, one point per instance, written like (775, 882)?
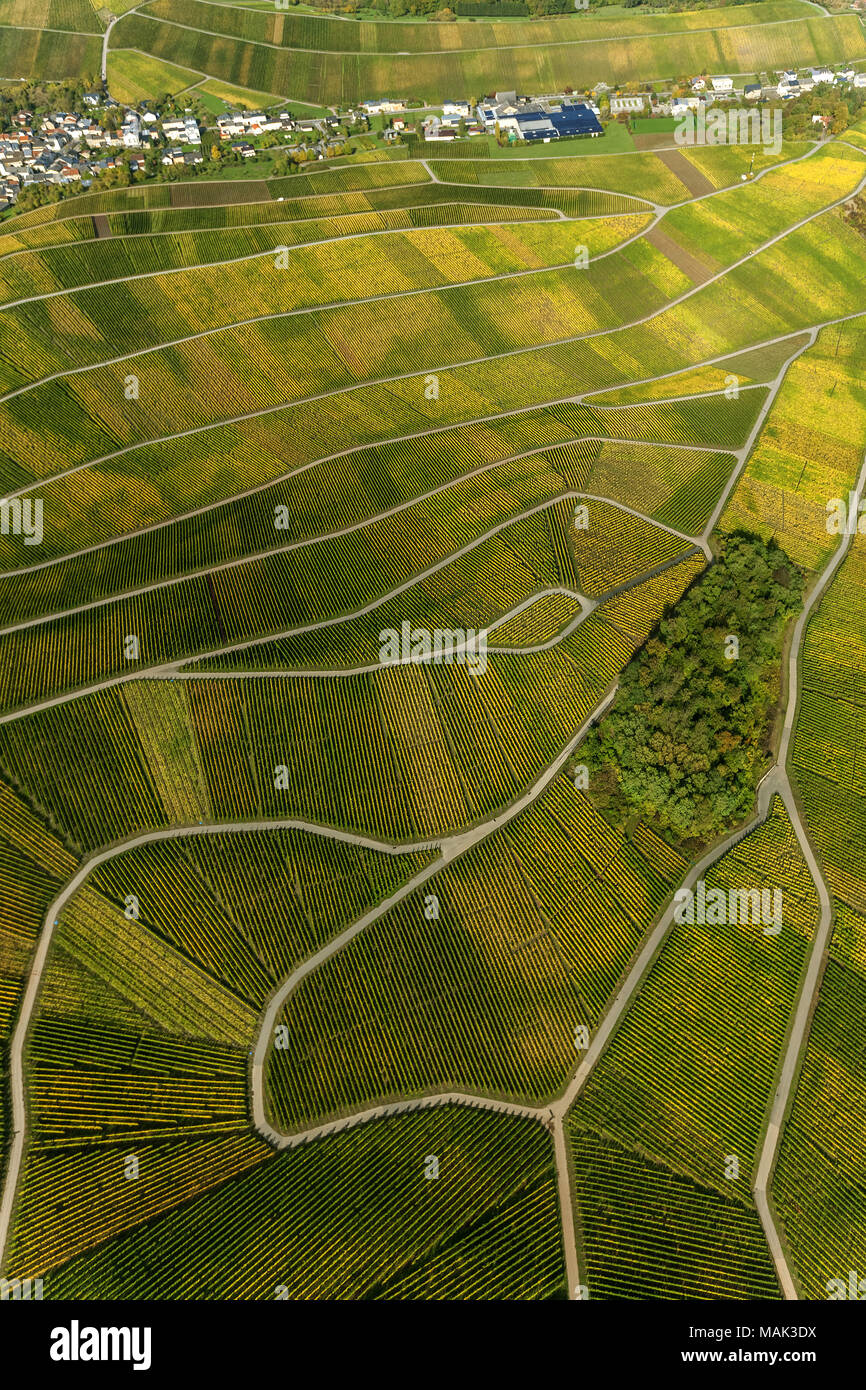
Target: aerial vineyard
(244, 729)
(696, 1003)
(328, 76)
(72, 266)
(303, 587)
(532, 930)
(334, 914)
(52, 55)
(402, 1237)
(650, 1232)
(318, 32)
(686, 1080)
(413, 337)
(811, 450)
(75, 15)
(817, 1175)
(141, 1041)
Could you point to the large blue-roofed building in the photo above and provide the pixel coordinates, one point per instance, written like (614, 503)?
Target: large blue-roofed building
(573, 118)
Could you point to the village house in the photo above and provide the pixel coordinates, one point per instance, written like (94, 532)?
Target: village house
(131, 131)
(682, 104)
(385, 107)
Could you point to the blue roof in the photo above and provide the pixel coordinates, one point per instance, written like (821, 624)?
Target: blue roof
(574, 119)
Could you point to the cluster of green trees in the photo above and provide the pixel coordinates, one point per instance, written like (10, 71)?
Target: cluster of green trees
(41, 98)
(842, 107)
(687, 737)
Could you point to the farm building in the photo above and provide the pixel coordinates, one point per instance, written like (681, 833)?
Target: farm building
(536, 120)
(620, 104)
(573, 119)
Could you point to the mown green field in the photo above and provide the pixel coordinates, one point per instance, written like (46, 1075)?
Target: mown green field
(225, 97)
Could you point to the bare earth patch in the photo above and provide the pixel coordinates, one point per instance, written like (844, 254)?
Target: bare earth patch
(696, 182)
(685, 261)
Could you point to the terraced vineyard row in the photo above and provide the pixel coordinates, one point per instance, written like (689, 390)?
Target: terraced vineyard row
(390, 402)
(324, 34)
(323, 77)
(92, 506)
(677, 1102)
(49, 55)
(140, 313)
(817, 1183)
(487, 1229)
(347, 574)
(119, 257)
(705, 325)
(242, 730)
(532, 929)
(140, 1047)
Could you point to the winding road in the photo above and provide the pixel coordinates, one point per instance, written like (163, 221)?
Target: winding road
(450, 846)
(775, 782)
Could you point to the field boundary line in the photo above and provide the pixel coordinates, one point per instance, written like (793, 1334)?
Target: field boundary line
(449, 366)
(305, 543)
